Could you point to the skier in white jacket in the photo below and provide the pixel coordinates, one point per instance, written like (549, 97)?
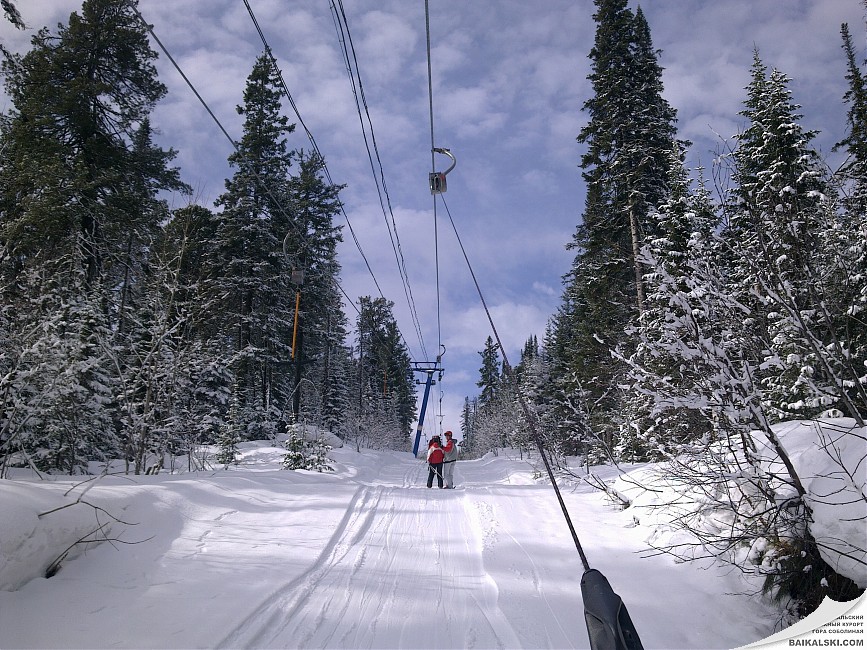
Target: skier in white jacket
(450, 449)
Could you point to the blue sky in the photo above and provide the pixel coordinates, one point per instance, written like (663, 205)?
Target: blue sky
(509, 80)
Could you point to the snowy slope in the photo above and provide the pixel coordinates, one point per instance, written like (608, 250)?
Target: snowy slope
(365, 557)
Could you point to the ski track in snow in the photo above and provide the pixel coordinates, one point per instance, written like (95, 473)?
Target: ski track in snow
(366, 580)
(366, 558)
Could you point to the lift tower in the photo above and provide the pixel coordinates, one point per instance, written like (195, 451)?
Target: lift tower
(429, 368)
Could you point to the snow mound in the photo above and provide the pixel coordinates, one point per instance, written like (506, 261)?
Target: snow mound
(42, 525)
(829, 456)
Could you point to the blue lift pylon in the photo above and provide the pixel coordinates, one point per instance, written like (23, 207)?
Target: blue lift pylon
(429, 368)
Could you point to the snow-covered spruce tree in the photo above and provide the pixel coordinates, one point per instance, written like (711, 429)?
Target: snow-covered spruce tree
(337, 388)
(384, 370)
(490, 429)
(296, 448)
(784, 204)
(305, 453)
(311, 243)
(78, 185)
(489, 374)
(56, 386)
(724, 324)
(533, 381)
(246, 271)
(497, 418)
(628, 137)
(229, 436)
(853, 173)
(202, 378)
(735, 508)
(166, 402)
(317, 459)
(686, 221)
(468, 428)
(531, 378)
(845, 239)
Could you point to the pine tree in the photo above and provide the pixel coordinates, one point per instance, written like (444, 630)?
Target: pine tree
(489, 373)
(386, 376)
(246, 269)
(628, 137)
(81, 97)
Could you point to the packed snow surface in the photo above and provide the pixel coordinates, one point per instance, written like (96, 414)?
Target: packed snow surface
(362, 557)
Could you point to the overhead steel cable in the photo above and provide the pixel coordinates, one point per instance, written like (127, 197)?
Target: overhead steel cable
(434, 196)
(433, 167)
(309, 134)
(353, 70)
(259, 179)
(310, 137)
(507, 368)
(530, 417)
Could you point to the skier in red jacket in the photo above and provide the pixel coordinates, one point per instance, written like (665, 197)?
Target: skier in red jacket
(435, 459)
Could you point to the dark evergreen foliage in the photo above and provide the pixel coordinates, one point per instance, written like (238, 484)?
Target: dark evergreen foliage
(386, 386)
(628, 137)
(79, 215)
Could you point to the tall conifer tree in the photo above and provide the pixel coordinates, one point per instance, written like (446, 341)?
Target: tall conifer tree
(247, 271)
(628, 137)
(311, 244)
(386, 375)
(78, 206)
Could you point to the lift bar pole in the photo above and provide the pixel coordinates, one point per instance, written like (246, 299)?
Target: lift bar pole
(430, 374)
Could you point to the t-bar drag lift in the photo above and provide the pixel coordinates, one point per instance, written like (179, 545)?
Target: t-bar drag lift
(438, 179)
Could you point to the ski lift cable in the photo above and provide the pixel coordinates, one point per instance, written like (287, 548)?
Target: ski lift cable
(234, 144)
(353, 70)
(433, 150)
(310, 137)
(609, 625)
(531, 420)
(285, 88)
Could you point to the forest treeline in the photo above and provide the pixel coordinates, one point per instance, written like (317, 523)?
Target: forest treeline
(702, 310)
(132, 330)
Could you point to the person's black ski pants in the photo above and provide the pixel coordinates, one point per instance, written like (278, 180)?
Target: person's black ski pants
(435, 468)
